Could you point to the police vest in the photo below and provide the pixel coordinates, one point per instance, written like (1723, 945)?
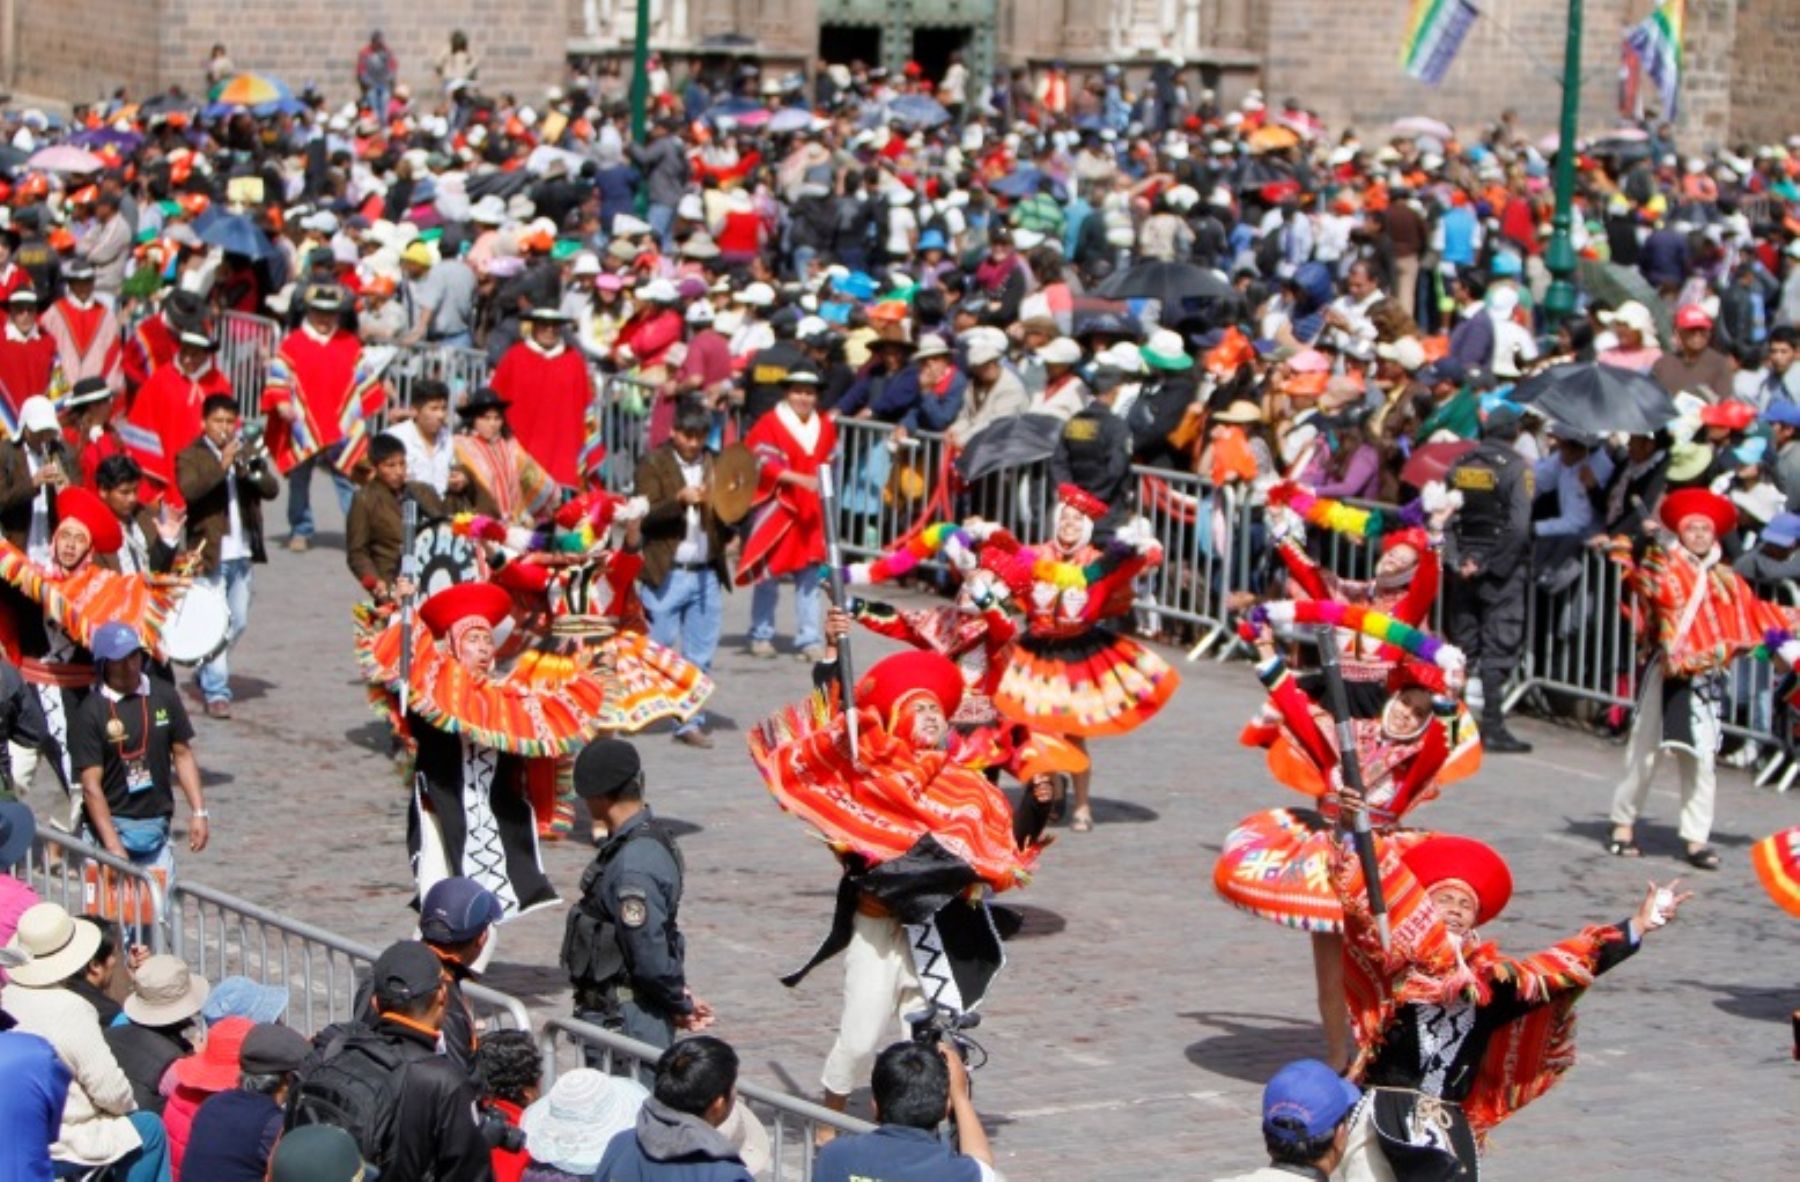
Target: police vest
(1485, 478)
(591, 952)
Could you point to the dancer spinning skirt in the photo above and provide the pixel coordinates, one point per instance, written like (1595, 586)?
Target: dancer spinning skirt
(1069, 674)
(477, 736)
(922, 839)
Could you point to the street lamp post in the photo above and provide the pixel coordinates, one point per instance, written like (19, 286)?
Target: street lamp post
(1559, 301)
(640, 74)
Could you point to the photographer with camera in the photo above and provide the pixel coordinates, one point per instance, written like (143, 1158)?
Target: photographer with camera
(915, 1086)
(225, 476)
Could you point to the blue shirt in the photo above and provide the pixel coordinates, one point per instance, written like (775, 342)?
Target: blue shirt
(895, 1153)
(31, 1106)
(1574, 509)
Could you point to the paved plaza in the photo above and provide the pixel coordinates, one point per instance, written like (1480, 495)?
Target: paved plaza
(1139, 1016)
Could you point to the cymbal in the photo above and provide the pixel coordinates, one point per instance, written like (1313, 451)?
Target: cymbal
(735, 474)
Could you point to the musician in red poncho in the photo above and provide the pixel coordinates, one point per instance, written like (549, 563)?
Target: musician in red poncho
(550, 391)
(154, 341)
(787, 527)
(320, 395)
(27, 357)
(165, 416)
(85, 330)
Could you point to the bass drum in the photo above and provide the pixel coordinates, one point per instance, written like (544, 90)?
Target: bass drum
(199, 627)
(443, 559)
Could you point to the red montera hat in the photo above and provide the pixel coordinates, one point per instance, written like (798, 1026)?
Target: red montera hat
(78, 504)
(1447, 857)
(892, 680)
(1081, 500)
(1684, 503)
(453, 605)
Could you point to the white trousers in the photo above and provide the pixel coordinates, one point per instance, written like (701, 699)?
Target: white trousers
(1698, 773)
(880, 988)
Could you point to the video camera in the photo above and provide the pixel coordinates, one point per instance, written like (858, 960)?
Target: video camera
(939, 1024)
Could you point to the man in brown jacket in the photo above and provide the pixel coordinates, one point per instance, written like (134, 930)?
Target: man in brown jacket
(376, 531)
(224, 485)
(685, 576)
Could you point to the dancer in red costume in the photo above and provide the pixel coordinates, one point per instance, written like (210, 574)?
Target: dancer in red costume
(1453, 1036)
(1069, 674)
(1276, 864)
(476, 735)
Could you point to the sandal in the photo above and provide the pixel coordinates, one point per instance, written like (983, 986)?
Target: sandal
(1083, 822)
(1623, 848)
(1704, 858)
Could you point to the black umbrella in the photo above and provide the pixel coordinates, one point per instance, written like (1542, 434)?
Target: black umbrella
(1009, 443)
(1598, 399)
(1167, 283)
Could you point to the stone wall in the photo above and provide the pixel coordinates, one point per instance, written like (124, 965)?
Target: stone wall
(80, 49)
(84, 49)
(1765, 85)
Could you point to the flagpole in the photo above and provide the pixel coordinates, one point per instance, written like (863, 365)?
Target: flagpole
(1559, 301)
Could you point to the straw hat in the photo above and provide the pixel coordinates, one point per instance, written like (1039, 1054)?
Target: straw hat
(1240, 411)
(58, 945)
(164, 992)
(570, 1126)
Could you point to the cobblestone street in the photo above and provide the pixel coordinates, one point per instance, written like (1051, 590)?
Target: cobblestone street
(1139, 1016)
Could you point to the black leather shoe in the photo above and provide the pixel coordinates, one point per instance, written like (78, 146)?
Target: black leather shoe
(1501, 741)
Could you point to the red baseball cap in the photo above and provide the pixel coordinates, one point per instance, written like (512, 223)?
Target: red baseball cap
(1692, 316)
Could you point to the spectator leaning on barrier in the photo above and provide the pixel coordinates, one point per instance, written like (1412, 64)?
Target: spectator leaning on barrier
(101, 1123)
(914, 1090)
(677, 1137)
(233, 1134)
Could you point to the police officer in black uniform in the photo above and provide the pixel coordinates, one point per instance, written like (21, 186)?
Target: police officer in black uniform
(1094, 452)
(1489, 561)
(622, 947)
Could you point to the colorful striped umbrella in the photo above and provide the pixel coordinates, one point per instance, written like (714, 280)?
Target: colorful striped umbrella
(1777, 861)
(250, 90)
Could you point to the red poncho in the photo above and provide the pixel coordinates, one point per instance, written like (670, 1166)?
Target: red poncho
(335, 393)
(165, 417)
(550, 395)
(26, 368)
(152, 345)
(787, 530)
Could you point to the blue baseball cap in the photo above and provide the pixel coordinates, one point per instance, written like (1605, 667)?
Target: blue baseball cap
(1783, 412)
(1783, 530)
(240, 997)
(457, 909)
(115, 640)
(1309, 1098)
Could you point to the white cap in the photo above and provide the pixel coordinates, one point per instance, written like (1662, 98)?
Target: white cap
(691, 208)
(1406, 352)
(488, 211)
(983, 345)
(659, 291)
(1122, 355)
(321, 221)
(1630, 314)
(626, 225)
(37, 414)
(810, 326)
(756, 295)
(1061, 351)
(699, 312)
(585, 264)
(1027, 239)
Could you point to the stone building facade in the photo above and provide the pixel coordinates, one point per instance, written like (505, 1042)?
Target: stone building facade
(1338, 56)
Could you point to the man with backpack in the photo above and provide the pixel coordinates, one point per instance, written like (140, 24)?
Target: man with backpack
(413, 1114)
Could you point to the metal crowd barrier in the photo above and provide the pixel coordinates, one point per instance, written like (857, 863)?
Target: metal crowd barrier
(247, 344)
(791, 1122)
(221, 935)
(621, 413)
(88, 881)
(463, 370)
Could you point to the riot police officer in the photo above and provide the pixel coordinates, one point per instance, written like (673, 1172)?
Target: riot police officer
(621, 946)
(1490, 567)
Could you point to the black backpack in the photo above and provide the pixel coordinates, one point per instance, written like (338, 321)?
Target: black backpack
(353, 1084)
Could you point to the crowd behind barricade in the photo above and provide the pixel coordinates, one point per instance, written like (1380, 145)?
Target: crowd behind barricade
(1205, 327)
